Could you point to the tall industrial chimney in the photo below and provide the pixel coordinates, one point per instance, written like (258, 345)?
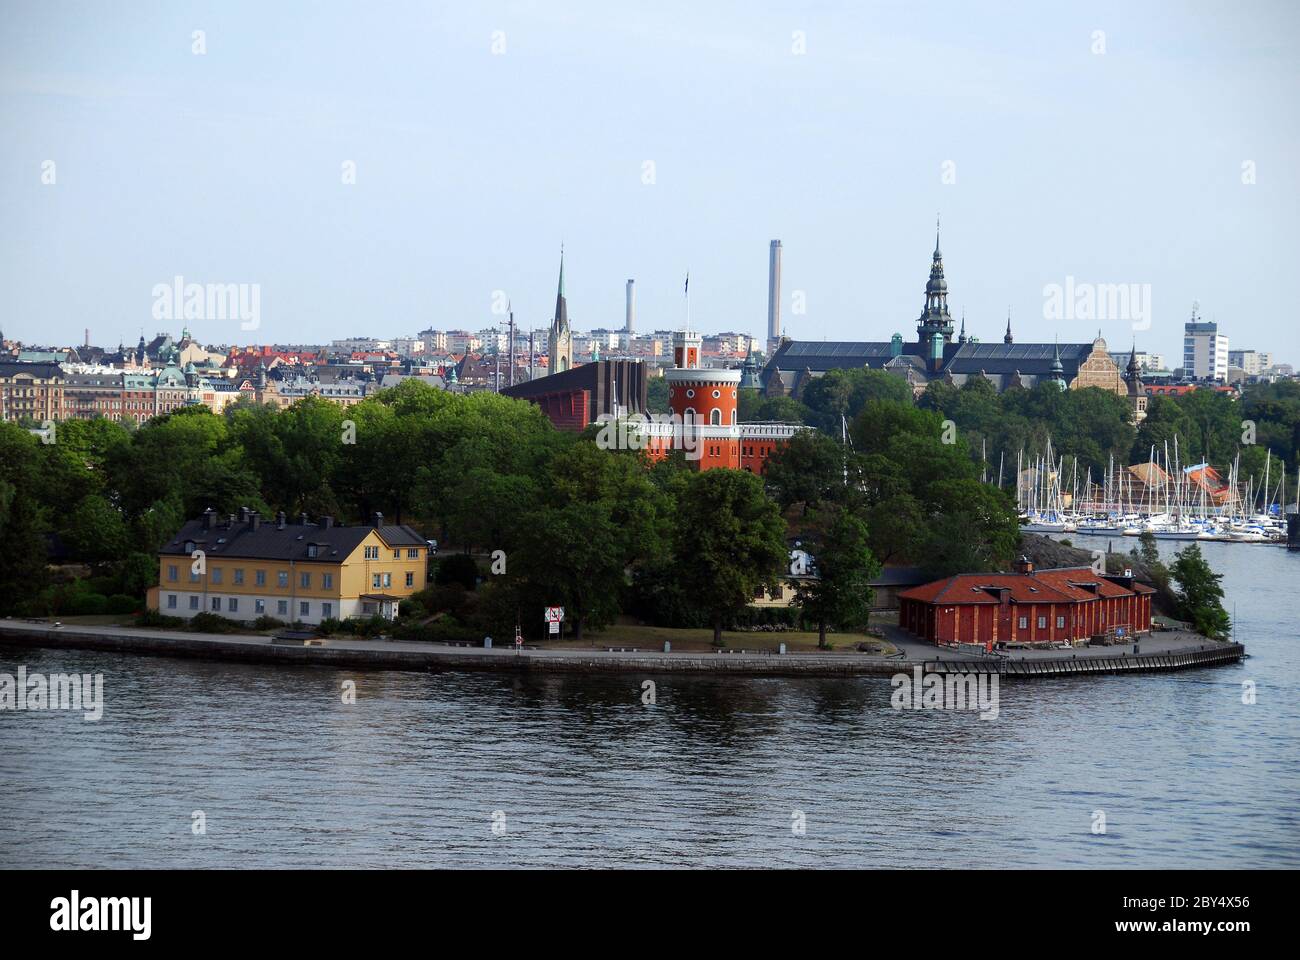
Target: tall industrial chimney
(630, 326)
(774, 293)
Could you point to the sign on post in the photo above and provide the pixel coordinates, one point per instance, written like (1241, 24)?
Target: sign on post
(554, 617)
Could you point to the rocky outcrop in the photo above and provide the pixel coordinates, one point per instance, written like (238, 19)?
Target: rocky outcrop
(1047, 553)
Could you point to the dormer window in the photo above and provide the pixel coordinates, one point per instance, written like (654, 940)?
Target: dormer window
(313, 551)
(189, 546)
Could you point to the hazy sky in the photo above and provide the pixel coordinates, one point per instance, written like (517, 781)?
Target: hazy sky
(472, 166)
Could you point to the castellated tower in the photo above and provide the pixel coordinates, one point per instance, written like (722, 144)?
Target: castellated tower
(704, 403)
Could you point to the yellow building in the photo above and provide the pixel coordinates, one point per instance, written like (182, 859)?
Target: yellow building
(242, 567)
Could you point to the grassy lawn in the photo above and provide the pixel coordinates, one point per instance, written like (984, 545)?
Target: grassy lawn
(652, 638)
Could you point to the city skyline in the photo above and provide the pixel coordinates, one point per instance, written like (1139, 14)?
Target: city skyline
(229, 166)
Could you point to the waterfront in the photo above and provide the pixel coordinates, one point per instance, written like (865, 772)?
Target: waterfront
(712, 774)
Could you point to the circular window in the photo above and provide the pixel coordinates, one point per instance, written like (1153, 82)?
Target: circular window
(733, 394)
(690, 393)
(717, 394)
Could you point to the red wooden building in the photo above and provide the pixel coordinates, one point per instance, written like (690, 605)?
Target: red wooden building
(1028, 606)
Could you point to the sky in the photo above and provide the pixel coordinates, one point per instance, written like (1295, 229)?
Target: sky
(1153, 144)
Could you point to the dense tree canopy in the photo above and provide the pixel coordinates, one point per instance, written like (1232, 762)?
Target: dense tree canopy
(599, 532)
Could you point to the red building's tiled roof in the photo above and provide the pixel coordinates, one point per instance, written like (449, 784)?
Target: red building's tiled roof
(1060, 585)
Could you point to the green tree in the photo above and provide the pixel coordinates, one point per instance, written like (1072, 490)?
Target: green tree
(1200, 597)
(459, 568)
(601, 520)
(806, 470)
(974, 530)
(23, 571)
(657, 396)
(729, 541)
(838, 594)
(94, 532)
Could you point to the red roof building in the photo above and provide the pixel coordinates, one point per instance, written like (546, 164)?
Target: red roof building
(1028, 606)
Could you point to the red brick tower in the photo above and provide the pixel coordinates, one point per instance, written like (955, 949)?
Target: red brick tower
(703, 401)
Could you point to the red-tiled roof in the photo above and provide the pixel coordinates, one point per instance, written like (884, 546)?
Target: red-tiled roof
(1061, 585)
(976, 587)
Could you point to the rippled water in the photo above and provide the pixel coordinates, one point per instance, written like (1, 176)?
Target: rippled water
(585, 775)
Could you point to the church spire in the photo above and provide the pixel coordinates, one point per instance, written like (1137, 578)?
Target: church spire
(935, 320)
(1058, 370)
(559, 343)
(1007, 336)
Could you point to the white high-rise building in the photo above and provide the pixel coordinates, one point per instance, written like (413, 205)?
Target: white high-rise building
(493, 340)
(1205, 350)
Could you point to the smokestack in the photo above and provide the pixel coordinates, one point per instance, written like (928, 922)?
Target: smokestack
(774, 292)
(630, 325)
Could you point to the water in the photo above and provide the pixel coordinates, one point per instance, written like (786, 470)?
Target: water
(583, 774)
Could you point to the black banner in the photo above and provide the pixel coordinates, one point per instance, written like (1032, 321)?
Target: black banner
(332, 909)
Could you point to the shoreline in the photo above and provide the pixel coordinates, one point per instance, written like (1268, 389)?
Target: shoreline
(402, 655)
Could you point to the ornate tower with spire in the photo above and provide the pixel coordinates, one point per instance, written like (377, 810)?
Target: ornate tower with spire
(559, 343)
(1058, 370)
(749, 371)
(1006, 337)
(934, 326)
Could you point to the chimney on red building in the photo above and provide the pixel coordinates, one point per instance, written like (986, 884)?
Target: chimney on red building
(1025, 566)
(1125, 579)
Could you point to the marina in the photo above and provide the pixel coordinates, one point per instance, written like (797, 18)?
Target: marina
(1160, 497)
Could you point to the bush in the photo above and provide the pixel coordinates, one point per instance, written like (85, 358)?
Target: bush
(87, 604)
(206, 622)
(267, 623)
(442, 630)
(121, 603)
(369, 627)
(155, 618)
(104, 585)
(328, 626)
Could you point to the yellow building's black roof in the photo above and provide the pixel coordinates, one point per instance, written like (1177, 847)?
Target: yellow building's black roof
(250, 538)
